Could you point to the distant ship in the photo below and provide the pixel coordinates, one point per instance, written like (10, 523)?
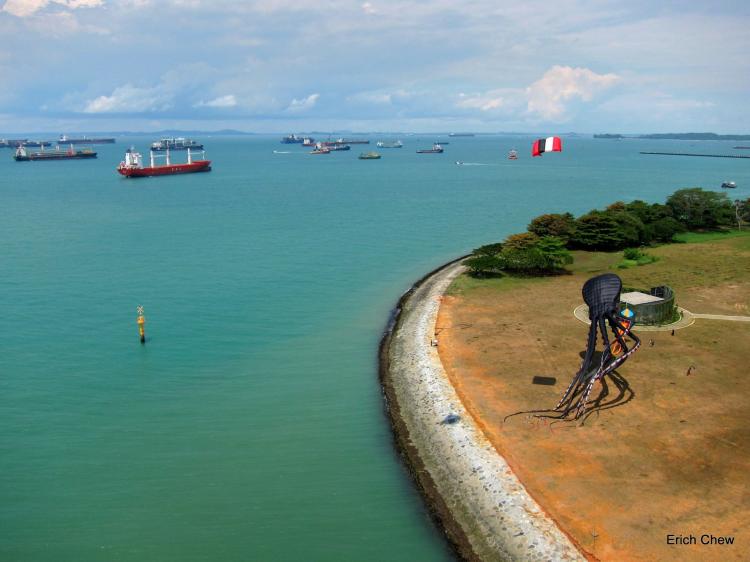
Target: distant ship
(85, 140)
(460, 134)
(23, 155)
(132, 166)
(338, 146)
(178, 143)
(291, 139)
(436, 149)
(513, 154)
(396, 144)
(308, 141)
(321, 150)
(12, 143)
(36, 144)
(369, 156)
(352, 141)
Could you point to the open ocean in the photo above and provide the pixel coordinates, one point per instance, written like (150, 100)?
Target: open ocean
(251, 425)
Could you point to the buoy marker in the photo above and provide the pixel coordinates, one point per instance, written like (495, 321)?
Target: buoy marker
(141, 324)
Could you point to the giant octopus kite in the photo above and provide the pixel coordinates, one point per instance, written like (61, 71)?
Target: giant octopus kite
(602, 295)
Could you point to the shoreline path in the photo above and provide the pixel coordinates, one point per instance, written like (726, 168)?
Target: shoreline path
(481, 504)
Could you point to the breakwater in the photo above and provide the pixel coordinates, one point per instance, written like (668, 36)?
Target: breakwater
(693, 154)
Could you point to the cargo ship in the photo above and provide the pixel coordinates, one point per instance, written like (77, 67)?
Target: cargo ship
(12, 143)
(292, 139)
(132, 166)
(352, 141)
(85, 140)
(172, 143)
(460, 134)
(436, 149)
(369, 156)
(23, 155)
(308, 141)
(396, 144)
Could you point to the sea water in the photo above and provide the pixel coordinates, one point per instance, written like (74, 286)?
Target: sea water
(251, 424)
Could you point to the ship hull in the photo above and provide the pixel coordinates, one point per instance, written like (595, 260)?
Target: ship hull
(87, 141)
(170, 170)
(171, 148)
(44, 156)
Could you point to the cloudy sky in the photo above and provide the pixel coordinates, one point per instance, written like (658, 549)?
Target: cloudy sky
(427, 65)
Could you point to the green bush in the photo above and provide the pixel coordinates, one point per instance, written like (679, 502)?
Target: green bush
(699, 209)
(558, 225)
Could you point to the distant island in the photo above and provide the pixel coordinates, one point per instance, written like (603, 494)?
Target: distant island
(676, 136)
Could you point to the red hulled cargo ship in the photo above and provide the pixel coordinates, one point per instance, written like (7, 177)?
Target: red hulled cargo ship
(132, 166)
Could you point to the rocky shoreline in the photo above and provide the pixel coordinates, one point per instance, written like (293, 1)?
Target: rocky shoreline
(476, 499)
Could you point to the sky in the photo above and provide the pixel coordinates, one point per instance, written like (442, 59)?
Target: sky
(430, 65)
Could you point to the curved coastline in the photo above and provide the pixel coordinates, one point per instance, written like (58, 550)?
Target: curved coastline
(476, 499)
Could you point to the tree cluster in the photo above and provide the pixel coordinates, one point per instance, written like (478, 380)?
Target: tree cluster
(544, 248)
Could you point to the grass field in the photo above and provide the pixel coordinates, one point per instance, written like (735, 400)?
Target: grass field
(672, 454)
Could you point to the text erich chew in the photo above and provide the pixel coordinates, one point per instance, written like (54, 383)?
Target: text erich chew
(703, 539)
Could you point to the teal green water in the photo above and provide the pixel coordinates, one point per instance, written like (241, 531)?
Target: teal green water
(251, 425)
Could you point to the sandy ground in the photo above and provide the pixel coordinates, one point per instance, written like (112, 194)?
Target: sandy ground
(490, 515)
(671, 453)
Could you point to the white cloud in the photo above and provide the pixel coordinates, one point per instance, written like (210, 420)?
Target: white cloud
(548, 97)
(222, 101)
(488, 101)
(369, 9)
(25, 8)
(379, 97)
(130, 99)
(304, 104)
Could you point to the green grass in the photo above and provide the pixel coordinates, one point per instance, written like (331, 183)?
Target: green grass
(696, 237)
(466, 282)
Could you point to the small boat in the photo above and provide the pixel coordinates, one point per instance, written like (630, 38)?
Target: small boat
(729, 184)
(321, 150)
(369, 156)
(23, 155)
(178, 143)
(395, 144)
(436, 149)
(513, 154)
(132, 166)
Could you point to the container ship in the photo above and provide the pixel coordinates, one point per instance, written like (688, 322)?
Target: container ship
(85, 140)
(178, 143)
(23, 155)
(132, 166)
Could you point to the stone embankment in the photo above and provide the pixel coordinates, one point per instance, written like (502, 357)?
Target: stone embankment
(483, 508)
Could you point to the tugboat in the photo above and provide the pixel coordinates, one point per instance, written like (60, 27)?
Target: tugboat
(436, 149)
(369, 156)
(729, 184)
(513, 154)
(178, 143)
(132, 166)
(320, 149)
(22, 155)
(396, 144)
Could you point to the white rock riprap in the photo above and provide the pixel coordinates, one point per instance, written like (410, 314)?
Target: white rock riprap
(485, 499)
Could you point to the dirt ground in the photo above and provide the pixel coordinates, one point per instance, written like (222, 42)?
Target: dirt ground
(671, 455)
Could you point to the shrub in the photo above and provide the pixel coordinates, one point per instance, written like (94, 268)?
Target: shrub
(608, 231)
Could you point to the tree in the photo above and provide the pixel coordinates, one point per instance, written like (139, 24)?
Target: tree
(700, 209)
(553, 224)
(483, 265)
(608, 231)
(664, 229)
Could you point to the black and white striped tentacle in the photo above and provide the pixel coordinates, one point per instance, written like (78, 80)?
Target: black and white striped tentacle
(585, 366)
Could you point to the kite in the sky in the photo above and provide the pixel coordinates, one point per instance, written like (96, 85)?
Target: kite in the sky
(550, 144)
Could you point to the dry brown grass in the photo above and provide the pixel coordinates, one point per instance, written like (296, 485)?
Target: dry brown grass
(673, 459)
